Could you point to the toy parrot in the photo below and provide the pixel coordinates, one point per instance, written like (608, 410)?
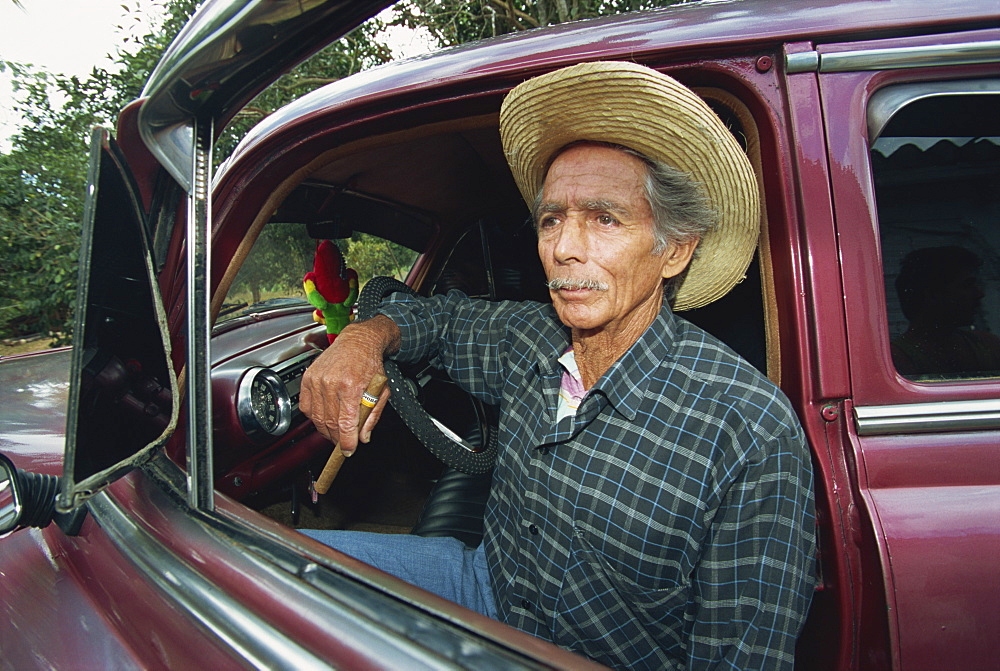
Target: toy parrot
(332, 288)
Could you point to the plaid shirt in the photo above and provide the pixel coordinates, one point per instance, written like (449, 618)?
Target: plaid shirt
(669, 524)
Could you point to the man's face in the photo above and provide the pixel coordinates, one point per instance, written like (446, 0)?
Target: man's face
(595, 224)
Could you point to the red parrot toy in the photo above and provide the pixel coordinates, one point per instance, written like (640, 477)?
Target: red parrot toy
(332, 288)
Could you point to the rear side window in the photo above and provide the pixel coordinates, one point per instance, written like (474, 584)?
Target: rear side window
(936, 163)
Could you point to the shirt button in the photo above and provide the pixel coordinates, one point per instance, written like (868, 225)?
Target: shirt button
(533, 529)
(543, 450)
(525, 604)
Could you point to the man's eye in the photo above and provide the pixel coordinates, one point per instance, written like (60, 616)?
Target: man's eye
(548, 222)
(606, 220)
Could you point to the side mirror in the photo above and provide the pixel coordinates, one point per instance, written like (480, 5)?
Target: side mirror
(29, 500)
(11, 504)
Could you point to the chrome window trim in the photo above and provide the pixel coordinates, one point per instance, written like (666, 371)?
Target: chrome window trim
(887, 420)
(198, 256)
(886, 102)
(965, 53)
(249, 637)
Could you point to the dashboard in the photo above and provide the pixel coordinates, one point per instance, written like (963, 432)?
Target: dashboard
(259, 433)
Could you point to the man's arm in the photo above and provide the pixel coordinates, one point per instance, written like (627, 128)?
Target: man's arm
(752, 587)
(333, 384)
(453, 332)
(456, 334)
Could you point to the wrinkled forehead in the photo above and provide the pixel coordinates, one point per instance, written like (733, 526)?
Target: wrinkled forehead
(597, 144)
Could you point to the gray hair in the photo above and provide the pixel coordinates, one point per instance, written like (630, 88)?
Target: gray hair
(681, 212)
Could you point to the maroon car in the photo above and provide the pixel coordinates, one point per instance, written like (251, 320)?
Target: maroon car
(155, 474)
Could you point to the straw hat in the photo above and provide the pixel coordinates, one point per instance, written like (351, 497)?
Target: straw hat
(645, 110)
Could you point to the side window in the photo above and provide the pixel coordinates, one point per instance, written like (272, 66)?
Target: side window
(936, 164)
(497, 261)
(271, 275)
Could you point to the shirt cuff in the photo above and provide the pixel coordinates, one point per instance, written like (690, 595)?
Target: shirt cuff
(408, 314)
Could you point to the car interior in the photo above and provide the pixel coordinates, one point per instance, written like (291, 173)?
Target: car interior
(424, 196)
(462, 214)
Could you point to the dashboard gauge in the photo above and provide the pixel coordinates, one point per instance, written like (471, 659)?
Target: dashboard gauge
(263, 404)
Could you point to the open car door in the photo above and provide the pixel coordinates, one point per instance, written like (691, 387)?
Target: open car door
(123, 391)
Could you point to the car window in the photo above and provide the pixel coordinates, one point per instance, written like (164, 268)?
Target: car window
(936, 166)
(496, 261)
(271, 275)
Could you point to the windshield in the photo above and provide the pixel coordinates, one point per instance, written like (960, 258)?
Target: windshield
(271, 276)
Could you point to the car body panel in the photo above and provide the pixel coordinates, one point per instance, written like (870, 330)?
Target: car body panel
(730, 26)
(942, 572)
(933, 498)
(51, 618)
(908, 523)
(34, 389)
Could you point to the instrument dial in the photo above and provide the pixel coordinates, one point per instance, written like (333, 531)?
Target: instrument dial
(263, 404)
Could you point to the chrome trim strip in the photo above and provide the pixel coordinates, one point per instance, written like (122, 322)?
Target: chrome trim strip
(966, 53)
(201, 480)
(287, 369)
(250, 637)
(880, 420)
(806, 61)
(886, 102)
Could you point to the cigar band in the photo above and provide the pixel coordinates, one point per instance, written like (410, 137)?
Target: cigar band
(368, 400)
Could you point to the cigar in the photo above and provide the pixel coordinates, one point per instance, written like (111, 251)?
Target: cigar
(368, 400)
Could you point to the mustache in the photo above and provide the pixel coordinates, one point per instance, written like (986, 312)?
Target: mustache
(557, 283)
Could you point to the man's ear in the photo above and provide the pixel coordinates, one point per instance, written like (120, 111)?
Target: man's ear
(677, 257)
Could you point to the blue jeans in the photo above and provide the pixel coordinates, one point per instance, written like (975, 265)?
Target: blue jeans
(444, 566)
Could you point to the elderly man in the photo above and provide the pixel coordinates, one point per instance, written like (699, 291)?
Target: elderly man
(651, 505)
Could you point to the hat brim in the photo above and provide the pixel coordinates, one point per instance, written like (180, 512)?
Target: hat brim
(655, 115)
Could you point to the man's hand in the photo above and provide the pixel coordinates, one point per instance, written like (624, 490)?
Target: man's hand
(333, 384)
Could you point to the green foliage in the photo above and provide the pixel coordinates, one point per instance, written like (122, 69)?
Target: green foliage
(38, 248)
(356, 52)
(42, 186)
(371, 256)
(280, 257)
(452, 22)
(283, 254)
(42, 178)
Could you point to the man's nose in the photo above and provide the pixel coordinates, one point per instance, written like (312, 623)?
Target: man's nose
(571, 242)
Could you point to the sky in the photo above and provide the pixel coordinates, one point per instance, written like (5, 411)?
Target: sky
(70, 37)
(62, 37)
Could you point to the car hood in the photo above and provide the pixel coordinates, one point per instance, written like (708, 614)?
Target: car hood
(34, 390)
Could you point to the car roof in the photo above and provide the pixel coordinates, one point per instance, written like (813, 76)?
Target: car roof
(705, 27)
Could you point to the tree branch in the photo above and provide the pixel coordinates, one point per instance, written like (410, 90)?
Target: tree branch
(513, 12)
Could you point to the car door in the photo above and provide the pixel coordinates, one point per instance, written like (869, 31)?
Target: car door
(913, 131)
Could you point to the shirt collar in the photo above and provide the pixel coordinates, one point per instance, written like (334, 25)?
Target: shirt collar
(552, 344)
(625, 382)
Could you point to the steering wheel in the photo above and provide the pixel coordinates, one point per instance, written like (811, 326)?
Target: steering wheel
(461, 454)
